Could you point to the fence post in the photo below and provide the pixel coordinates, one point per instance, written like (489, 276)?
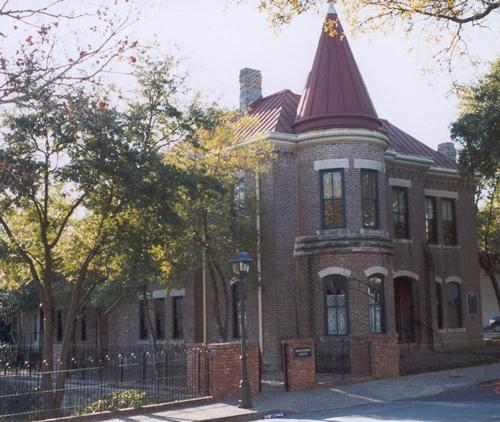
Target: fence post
(156, 370)
(121, 368)
(100, 383)
(143, 367)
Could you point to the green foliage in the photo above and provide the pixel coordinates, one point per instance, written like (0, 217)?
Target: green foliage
(116, 400)
(89, 194)
(14, 301)
(477, 128)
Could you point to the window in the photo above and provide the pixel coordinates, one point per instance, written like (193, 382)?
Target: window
(369, 198)
(430, 220)
(177, 316)
(236, 310)
(159, 312)
(332, 202)
(59, 326)
(35, 327)
(157, 315)
(472, 305)
(83, 326)
(454, 305)
(336, 305)
(449, 223)
(143, 328)
(239, 195)
(439, 305)
(376, 310)
(400, 212)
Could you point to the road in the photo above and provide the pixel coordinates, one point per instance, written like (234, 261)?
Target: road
(472, 404)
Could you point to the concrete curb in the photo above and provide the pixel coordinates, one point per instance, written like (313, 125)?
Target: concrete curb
(106, 415)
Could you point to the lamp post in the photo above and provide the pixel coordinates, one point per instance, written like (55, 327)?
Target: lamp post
(241, 267)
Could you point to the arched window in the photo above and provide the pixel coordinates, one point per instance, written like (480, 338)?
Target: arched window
(439, 305)
(454, 305)
(376, 308)
(472, 303)
(336, 305)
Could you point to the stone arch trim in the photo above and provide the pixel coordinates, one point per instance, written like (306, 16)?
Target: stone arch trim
(438, 280)
(334, 271)
(406, 273)
(453, 279)
(376, 270)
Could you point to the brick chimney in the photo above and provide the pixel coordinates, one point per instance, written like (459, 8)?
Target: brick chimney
(250, 86)
(448, 149)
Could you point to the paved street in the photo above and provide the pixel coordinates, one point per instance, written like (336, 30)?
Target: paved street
(471, 404)
(464, 394)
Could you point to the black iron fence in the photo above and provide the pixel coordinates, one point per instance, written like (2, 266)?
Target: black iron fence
(101, 380)
(342, 359)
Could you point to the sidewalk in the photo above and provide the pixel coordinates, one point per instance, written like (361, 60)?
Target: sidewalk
(273, 400)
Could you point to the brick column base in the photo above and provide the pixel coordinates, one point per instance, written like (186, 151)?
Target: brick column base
(300, 364)
(225, 369)
(385, 356)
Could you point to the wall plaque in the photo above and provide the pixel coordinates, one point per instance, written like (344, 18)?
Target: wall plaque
(302, 352)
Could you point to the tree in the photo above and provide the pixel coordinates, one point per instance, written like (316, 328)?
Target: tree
(71, 169)
(39, 47)
(442, 22)
(220, 217)
(477, 131)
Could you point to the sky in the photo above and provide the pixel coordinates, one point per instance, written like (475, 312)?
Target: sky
(217, 38)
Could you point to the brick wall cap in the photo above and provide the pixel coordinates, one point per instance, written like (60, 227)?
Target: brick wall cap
(298, 341)
(250, 344)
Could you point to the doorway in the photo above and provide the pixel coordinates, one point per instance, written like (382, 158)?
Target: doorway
(404, 309)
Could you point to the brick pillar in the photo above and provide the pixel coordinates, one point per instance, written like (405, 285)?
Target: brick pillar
(225, 369)
(359, 352)
(300, 364)
(385, 356)
(197, 368)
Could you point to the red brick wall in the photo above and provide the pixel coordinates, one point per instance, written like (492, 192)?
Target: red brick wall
(385, 356)
(225, 369)
(293, 302)
(300, 371)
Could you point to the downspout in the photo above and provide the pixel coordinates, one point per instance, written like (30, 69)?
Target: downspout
(204, 288)
(259, 263)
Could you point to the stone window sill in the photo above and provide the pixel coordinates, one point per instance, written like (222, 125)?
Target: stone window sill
(441, 246)
(407, 241)
(452, 330)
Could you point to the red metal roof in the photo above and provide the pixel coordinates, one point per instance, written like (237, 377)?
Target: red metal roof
(405, 144)
(275, 113)
(335, 94)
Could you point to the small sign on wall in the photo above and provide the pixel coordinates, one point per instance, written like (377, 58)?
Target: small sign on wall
(302, 352)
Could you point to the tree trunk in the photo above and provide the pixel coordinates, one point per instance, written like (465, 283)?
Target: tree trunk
(494, 282)
(220, 319)
(48, 359)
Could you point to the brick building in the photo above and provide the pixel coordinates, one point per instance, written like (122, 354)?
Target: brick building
(365, 232)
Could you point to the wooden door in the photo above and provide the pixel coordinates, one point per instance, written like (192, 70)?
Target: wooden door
(404, 310)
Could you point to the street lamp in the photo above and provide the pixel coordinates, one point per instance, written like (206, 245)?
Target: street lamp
(241, 267)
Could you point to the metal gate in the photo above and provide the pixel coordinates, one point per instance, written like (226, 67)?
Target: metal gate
(338, 360)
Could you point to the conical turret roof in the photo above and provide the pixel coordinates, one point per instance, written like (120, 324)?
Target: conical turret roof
(335, 94)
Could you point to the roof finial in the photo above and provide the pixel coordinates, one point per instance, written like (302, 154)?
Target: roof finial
(331, 7)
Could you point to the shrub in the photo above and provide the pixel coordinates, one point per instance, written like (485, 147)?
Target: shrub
(116, 400)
